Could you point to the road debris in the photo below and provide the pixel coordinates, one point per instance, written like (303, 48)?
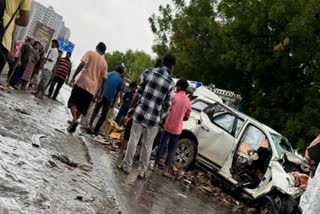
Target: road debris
(64, 159)
(199, 180)
(187, 183)
(91, 184)
(59, 130)
(52, 164)
(85, 199)
(100, 139)
(22, 111)
(86, 168)
(36, 140)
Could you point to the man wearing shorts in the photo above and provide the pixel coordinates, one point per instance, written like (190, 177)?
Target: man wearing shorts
(112, 89)
(48, 66)
(92, 70)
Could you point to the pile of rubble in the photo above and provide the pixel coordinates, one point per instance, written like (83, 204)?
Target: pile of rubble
(113, 137)
(198, 180)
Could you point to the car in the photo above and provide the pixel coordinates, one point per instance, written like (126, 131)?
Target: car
(251, 159)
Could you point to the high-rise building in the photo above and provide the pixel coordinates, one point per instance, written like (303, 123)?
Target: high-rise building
(48, 17)
(64, 32)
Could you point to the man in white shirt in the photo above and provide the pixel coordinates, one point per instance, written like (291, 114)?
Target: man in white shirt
(48, 66)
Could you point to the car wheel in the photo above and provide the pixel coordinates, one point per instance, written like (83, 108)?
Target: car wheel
(185, 153)
(265, 206)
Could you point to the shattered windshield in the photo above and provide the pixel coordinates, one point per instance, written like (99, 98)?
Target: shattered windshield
(199, 105)
(281, 143)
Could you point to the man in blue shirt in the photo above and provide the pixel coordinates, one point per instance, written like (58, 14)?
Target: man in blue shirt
(112, 89)
(126, 101)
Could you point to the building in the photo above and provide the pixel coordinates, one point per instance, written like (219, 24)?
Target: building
(64, 32)
(48, 17)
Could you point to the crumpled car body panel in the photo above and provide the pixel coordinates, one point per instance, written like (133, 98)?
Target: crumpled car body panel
(220, 148)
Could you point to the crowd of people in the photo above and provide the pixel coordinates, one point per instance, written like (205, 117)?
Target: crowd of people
(155, 103)
(146, 106)
(30, 68)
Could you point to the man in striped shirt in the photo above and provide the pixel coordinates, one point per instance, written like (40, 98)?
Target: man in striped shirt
(61, 73)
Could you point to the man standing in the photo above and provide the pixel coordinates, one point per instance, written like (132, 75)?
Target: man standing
(180, 111)
(153, 99)
(46, 71)
(60, 52)
(113, 86)
(61, 73)
(93, 68)
(10, 18)
(22, 63)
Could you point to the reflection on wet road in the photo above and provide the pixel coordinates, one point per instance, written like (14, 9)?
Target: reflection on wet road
(72, 173)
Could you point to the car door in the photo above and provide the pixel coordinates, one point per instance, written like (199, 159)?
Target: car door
(252, 157)
(216, 133)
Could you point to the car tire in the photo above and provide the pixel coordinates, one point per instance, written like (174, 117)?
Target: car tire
(186, 152)
(283, 204)
(265, 206)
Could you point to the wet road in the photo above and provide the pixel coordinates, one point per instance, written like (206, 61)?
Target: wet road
(38, 180)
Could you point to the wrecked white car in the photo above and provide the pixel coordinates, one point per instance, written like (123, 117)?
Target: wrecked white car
(251, 159)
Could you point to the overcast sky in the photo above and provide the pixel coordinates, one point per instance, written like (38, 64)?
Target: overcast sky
(121, 24)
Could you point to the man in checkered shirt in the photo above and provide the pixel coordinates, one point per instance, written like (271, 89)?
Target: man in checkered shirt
(152, 104)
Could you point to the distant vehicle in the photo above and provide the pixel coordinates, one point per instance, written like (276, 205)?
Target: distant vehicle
(249, 157)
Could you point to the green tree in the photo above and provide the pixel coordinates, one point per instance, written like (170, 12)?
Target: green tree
(268, 50)
(114, 59)
(135, 61)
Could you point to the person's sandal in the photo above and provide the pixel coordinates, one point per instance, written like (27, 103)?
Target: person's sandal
(73, 127)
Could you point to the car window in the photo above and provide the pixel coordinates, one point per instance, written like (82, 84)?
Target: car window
(239, 126)
(223, 118)
(253, 137)
(281, 143)
(225, 121)
(199, 105)
(215, 110)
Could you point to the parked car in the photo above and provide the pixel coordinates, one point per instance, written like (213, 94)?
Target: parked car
(251, 159)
